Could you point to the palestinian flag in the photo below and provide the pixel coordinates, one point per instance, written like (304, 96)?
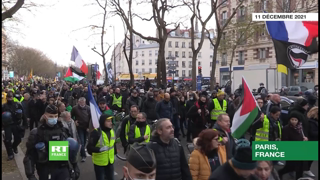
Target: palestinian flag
(246, 113)
(73, 76)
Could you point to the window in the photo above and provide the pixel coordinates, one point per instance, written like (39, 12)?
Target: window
(241, 58)
(183, 44)
(183, 72)
(156, 62)
(183, 64)
(177, 73)
(190, 73)
(170, 44)
(199, 63)
(224, 15)
(199, 55)
(183, 54)
(224, 35)
(169, 53)
(150, 62)
(210, 65)
(242, 11)
(224, 59)
(224, 2)
(142, 70)
(150, 70)
(190, 64)
(142, 53)
(176, 44)
(308, 75)
(137, 62)
(136, 53)
(189, 44)
(262, 53)
(150, 53)
(137, 70)
(263, 5)
(156, 52)
(190, 54)
(142, 62)
(176, 54)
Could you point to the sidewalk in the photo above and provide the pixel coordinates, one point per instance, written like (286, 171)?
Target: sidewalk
(13, 169)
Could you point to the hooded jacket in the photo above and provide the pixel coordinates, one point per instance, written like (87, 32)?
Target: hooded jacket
(171, 160)
(230, 145)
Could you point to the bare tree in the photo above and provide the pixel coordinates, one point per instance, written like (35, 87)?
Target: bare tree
(9, 12)
(215, 42)
(239, 34)
(128, 29)
(160, 8)
(104, 50)
(194, 7)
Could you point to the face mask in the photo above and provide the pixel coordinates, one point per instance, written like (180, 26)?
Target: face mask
(52, 121)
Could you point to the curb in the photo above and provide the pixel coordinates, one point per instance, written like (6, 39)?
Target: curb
(19, 161)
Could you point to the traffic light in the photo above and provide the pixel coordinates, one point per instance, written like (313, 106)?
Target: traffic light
(199, 70)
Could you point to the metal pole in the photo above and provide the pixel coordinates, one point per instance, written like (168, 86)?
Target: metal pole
(114, 54)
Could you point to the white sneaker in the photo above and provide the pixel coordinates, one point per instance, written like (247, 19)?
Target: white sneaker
(280, 163)
(309, 173)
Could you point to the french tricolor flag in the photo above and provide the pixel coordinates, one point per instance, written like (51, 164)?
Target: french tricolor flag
(299, 32)
(95, 111)
(294, 42)
(76, 57)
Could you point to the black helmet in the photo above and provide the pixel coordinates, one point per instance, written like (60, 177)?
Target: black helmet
(6, 118)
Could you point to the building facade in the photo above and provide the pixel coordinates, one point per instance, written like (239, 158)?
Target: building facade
(258, 51)
(4, 62)
(117, 55)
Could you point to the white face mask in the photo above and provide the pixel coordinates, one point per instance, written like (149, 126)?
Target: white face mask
(130, 178)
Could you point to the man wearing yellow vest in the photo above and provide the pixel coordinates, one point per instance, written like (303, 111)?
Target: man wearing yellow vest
(18, 97)
(218, 106)
(125, 126)
(140, 131)
(102, 147)
(269, 128)
(117, 102)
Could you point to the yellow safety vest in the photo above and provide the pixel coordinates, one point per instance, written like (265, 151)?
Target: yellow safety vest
(16, 100)
(103, 158)
(127, 129)
(147, 132)
(217, 109)
(117, 101)
(262, 134)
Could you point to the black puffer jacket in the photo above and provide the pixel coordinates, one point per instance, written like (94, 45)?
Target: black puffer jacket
(302, 118)
(171, 160)
(313, 130)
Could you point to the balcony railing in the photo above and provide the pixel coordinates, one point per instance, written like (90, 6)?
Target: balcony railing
(223, 63)
(240, 62)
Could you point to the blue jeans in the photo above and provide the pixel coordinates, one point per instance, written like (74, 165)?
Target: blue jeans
(104, 172)
(176, 124)
(83, 140)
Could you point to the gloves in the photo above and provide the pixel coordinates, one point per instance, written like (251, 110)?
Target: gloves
(104, 148)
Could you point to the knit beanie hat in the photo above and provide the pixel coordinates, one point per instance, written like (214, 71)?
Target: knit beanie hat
(295, 115)
(312, 100)
(303, 102)
(243, 156)
(220, 93)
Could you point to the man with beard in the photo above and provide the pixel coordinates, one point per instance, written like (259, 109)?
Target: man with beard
(117, 101)
(199, 116)
(125, 126)
(140, 131)
(134, 99)
(170, 157)
(149, 107)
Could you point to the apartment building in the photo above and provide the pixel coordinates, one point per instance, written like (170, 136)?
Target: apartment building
(258, 51)
(117, 55)
(178, 44)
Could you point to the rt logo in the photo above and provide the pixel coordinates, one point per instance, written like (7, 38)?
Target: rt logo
(58, 151)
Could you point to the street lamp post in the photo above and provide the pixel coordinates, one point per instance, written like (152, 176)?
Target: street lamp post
(172, 67)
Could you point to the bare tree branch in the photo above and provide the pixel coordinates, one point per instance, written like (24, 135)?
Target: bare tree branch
(9, 13)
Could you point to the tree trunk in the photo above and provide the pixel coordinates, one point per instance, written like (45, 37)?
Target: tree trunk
(161, 75)
(230, 67)
(194, 72)
(214, 63)
(106, 80)
(10, 12)
(130, 59)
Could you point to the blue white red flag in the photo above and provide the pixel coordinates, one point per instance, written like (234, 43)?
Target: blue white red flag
(95, 111)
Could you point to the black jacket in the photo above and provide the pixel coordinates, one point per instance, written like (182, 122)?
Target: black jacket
(189, 104)
(25, 106)
(133, 101)
(313, 130)
(125, 95)
(164, 110)
(34, 112)
(123, 128)
(106, 96)
(12, 109)
(230, 145)
(273, 128)
(302, 117)
(182, 110)
(199, 121)
(149, 107)
(171, 160)
(226, 172)
(175, 104)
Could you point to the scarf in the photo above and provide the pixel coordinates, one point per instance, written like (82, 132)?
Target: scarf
(298, 127)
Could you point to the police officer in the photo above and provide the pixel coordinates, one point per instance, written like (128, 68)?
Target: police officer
(218, 106)
(12, 122)
(140, 131)
(102, 147)
(141, 163)
(38, 150)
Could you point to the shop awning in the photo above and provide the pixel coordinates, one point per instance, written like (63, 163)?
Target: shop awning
(149, 75)
(127, 76)
(309, 65)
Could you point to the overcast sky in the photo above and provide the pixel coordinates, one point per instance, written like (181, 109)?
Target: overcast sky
(53, 28)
